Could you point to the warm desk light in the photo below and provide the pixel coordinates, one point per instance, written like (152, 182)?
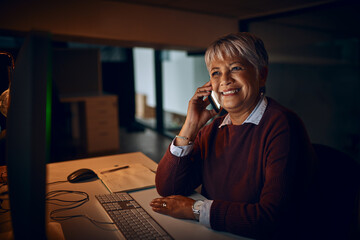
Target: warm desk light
(5, 96)
(4, 102)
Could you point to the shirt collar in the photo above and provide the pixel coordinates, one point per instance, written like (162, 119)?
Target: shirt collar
(254, 117)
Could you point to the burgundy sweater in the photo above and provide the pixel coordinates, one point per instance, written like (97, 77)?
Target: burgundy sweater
(257, 175)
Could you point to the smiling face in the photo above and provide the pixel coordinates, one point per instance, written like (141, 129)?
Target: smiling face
(237, 84)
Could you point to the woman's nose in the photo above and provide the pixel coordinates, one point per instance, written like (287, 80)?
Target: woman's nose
(225, 79)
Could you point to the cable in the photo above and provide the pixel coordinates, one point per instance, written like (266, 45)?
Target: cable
(5, 190)
(2, 179)
(52, 198)
(3, 210)
(58, 182)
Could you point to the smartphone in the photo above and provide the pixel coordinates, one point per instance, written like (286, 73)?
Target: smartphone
(214, 102)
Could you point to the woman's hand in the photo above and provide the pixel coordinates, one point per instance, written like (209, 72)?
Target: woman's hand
(197, 114)
(176, 206)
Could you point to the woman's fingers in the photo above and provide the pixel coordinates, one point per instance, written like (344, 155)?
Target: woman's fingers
(201, 94)
(208, 83)
(203, 91)
(197, 114)
(175, 206)
(159, 205)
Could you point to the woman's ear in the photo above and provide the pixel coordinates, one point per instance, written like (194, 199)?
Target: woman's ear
(263, 76)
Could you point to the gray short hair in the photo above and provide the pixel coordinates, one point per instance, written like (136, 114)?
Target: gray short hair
(241, 44)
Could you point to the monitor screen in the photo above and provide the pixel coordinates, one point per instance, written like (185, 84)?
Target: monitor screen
(28, 135)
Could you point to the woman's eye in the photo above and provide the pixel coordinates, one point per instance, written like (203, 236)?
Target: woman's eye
(215, 74)
(236, 68)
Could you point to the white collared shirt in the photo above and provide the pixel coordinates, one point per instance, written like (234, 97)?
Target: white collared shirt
(254, 117)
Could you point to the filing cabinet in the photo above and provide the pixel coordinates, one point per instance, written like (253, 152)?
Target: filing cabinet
(95, 122)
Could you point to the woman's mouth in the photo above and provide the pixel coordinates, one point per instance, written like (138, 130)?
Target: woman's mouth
(230, 92)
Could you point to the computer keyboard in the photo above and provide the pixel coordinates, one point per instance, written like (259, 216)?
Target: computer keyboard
(130, 218)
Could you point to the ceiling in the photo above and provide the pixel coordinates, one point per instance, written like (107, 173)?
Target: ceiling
(239, 9)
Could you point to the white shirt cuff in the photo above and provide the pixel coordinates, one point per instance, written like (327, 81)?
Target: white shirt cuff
(180, 151)
(204, 218)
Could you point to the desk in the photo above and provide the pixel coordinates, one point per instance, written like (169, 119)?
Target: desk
(82, 228)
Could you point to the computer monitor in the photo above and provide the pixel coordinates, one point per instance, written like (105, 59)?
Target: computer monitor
(28, 135)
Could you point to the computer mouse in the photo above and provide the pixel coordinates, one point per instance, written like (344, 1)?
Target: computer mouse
(81, 175)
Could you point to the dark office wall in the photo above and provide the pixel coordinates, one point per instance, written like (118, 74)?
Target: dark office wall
(77, 71)
(315, 70)
(325, 97)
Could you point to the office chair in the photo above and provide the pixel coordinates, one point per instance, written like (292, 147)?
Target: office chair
(336, 195)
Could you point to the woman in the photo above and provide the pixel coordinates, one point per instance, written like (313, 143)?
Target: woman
(253, 163)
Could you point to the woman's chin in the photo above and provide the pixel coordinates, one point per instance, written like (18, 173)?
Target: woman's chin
(231, 106)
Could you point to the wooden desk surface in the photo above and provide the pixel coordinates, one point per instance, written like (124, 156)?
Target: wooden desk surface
(60, 170)
(81, 228)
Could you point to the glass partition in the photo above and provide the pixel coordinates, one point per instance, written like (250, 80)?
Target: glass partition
(180, 73)
(144, 74)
